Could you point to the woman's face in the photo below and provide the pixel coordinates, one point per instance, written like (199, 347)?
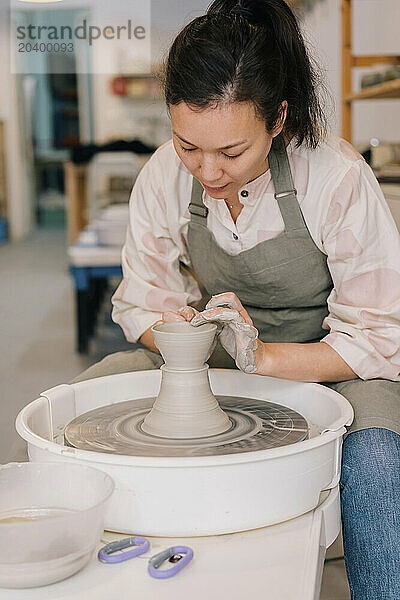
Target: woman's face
(223, 147)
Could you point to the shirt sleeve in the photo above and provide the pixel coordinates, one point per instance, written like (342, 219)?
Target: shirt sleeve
(362, 243)
(153, 280)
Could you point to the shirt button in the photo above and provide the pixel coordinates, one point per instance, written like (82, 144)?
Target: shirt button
(235, 237)
(244, 193)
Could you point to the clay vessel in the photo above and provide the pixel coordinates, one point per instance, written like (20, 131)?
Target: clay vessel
(185, 406)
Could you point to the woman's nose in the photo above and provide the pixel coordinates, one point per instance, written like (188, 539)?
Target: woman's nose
(210, 171)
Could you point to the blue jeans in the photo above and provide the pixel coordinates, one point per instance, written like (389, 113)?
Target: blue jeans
(370, 500)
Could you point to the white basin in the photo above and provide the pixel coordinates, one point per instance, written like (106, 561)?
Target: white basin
(201, 495)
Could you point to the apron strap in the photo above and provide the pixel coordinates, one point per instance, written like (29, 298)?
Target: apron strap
(285, 192)
(198, 212)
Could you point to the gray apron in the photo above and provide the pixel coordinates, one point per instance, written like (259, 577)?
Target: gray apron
(283, 283)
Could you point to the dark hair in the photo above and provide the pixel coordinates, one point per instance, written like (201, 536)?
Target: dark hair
(251, 50)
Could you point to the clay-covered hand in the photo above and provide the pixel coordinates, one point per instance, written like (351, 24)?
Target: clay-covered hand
(186, 313)
(237, 333)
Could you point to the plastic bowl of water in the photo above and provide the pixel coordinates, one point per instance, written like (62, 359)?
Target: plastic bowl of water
(51, 520)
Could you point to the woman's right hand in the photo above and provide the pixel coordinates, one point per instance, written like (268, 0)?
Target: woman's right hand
(186, 313)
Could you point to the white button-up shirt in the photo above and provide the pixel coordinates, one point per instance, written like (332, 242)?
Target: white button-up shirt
(346, 215)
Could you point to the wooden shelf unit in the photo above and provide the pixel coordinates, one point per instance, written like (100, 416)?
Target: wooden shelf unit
(389, 89)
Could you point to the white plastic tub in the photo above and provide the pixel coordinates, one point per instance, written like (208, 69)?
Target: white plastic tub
(206, 495)
(51, 519)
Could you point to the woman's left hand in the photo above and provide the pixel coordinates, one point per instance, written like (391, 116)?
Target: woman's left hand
(238, 335)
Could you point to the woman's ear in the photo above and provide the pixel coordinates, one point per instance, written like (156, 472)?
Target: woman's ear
(281, 119)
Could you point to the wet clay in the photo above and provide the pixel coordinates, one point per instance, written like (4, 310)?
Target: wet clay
(185, 406)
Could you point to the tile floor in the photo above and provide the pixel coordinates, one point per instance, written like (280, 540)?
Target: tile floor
(37, 347)
(334, 581)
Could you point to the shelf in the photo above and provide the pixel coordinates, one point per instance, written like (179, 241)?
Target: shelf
(137, 87)
(369, 60)
(389, 89)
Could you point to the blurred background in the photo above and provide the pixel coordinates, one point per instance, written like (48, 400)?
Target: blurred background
(74, 138)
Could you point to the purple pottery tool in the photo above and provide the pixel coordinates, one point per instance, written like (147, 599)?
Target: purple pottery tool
(107, 554)
(173, 555)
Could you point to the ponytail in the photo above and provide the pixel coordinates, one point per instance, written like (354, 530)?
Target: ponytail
(248, 50)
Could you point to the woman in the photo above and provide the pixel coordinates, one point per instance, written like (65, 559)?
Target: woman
(286, 228)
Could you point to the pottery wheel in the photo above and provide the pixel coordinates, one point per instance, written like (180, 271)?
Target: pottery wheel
(256, 425)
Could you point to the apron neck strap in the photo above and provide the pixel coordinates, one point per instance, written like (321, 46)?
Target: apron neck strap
(285, 192)
(198, 212)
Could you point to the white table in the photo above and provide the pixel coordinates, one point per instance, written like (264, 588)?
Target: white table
(280, 562)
